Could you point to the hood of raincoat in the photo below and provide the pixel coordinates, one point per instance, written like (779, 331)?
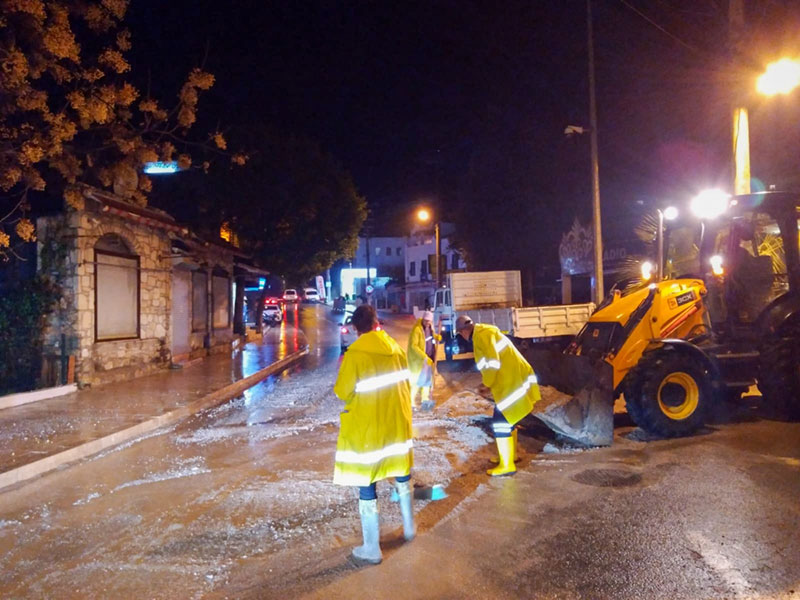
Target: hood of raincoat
(376, 342)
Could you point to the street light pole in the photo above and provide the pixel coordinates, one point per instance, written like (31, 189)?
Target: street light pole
(741, 126)
(660, 266)
(596, 219)
(367, 232)
(438, 257)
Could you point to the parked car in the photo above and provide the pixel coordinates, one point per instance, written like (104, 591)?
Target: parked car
(348, 333)
(272, 300)
(311, 295)
(290, 296)
(273, 313)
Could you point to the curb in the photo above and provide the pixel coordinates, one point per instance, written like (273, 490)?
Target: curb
(13, 400)
(38, 467)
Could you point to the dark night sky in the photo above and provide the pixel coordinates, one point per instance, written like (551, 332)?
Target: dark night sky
(405, 93)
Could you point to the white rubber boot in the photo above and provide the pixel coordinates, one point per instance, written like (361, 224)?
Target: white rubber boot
(370, 552)
(405, 495)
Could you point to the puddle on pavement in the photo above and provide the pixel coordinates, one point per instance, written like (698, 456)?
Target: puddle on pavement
(607, 478)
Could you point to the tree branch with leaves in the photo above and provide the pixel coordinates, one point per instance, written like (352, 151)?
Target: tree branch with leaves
(69, 116)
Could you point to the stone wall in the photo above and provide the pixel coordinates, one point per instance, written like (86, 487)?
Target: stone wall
(66, 250)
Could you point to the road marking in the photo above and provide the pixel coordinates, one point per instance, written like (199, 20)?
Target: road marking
(720, 564)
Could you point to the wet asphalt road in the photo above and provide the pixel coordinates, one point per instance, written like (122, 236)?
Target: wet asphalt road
(237, 502)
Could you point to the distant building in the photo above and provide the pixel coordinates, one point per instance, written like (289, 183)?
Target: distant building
(420, 264)
(386, 259)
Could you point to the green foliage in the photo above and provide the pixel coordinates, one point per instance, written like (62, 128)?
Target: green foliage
(24, 306)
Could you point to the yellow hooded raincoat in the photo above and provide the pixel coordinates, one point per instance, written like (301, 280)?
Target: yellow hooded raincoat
(375, 434)
(416, 350)
(505, 372)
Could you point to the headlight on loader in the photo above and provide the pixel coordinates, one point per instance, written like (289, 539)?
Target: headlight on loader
(647, 270)
(716, 265)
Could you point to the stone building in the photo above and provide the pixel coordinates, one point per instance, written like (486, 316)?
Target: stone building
(140, 292)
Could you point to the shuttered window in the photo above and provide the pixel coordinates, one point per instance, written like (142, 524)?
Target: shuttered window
(199, 301)
(221, 289)
(116, 296)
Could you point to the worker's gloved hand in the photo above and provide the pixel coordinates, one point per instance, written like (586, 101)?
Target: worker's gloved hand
(484, 391)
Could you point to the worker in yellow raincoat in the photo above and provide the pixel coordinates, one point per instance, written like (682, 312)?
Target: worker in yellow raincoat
(512, 382)
(421, 355)
(375, 434)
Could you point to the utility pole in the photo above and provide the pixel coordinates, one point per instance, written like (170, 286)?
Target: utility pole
(438, 257)
(367, 227)
(597, 286)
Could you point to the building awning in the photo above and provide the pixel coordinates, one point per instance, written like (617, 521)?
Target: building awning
(246, 270)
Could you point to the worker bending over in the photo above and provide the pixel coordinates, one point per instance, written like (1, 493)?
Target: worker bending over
(375, 433)
(512, 382)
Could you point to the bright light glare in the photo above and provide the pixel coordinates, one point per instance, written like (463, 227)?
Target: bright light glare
(670, 213)
(781, 77)
(647, 270)
(716, 265)
(710, 204)
(423, 214)
(160, 168)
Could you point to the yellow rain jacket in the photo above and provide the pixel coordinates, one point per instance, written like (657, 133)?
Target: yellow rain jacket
(416, 350)
(505, 371)
(375, 434)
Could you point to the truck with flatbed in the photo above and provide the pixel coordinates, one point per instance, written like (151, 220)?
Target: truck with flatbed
(495, 298)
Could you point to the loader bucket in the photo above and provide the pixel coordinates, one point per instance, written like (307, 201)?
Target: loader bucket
(577, 396)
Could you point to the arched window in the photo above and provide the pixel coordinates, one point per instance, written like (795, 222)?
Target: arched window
(116, 289)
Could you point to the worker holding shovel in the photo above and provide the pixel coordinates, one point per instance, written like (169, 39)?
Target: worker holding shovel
(422, 356)
(511, 380)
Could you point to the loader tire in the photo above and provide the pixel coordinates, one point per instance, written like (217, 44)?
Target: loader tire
(669, 394)
(779, 372)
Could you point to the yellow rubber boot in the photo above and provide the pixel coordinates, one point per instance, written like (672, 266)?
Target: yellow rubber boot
(494, 460)
(426, 394)
(505, 448)
(414, 390)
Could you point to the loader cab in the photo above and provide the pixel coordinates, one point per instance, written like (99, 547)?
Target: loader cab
(741, 256)
(745, 260)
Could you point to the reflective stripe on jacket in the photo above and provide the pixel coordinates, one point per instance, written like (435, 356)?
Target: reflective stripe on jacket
(375, 434)
(505, 371)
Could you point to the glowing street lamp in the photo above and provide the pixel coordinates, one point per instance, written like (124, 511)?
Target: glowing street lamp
(670, 213)
(161, 167)
(781, 77)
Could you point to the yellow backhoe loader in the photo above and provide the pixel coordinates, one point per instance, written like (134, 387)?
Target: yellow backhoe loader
(722, 313)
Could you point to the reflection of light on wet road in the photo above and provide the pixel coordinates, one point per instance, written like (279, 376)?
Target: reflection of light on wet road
(282, 346)
(296, 327)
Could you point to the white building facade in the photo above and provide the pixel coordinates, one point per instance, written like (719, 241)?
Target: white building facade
(420, 265)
